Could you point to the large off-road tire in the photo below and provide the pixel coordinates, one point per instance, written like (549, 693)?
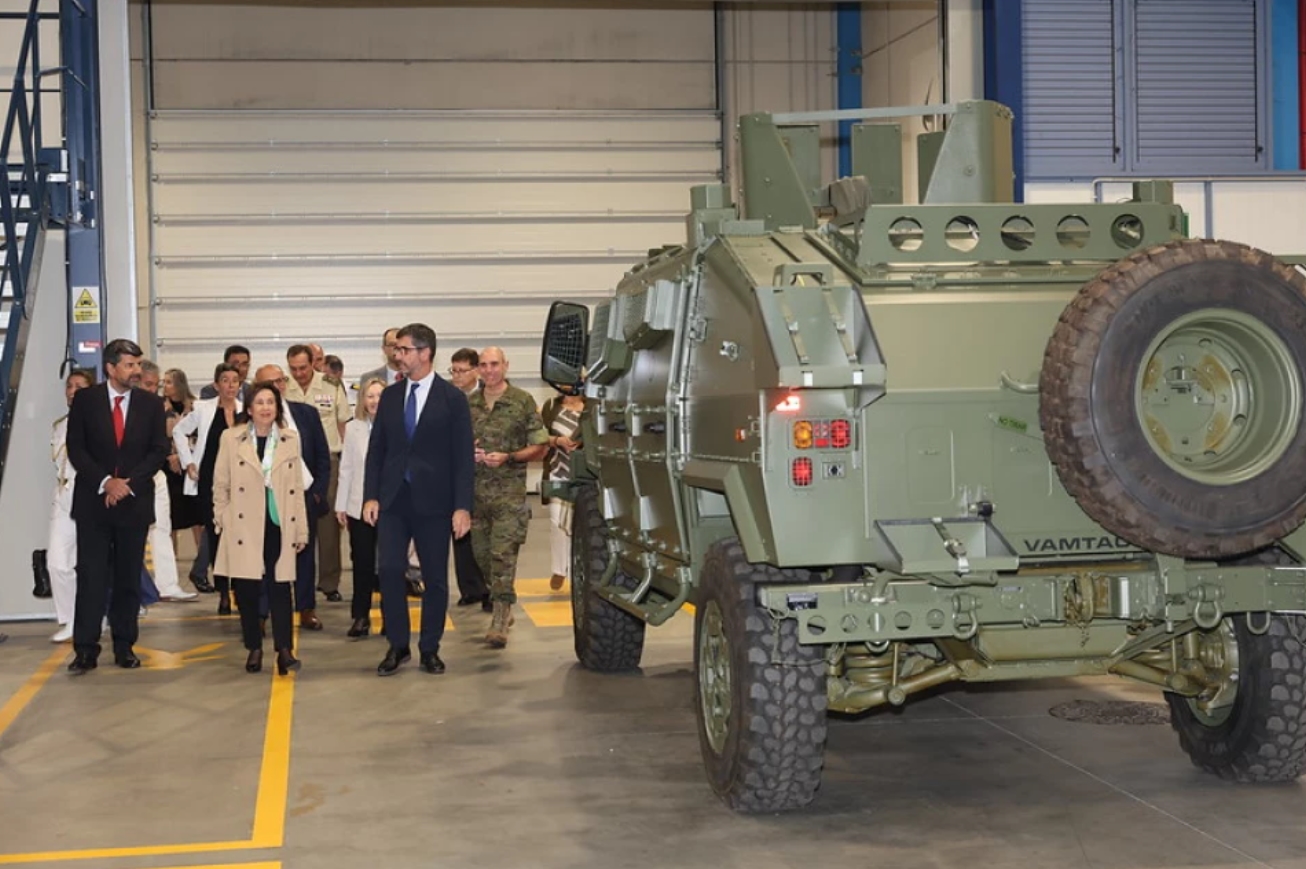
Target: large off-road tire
(607, 639)
(1171, 399)
(760, 696)
(1261, 736)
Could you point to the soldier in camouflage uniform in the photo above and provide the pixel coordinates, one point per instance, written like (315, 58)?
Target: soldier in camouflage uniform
(508, 434)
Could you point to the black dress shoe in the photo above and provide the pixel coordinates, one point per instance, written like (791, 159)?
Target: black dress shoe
(467, 600)
(286, 661)
(432, 664)
(224, 604)
(82, 663)
(393, 658)
(333, 596)
(254, 663)
(127, 660)
(415, 587)
(487, 605)
(360, 628)
(202, 584)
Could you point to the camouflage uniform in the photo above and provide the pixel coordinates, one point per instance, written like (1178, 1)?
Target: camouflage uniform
(500, 513)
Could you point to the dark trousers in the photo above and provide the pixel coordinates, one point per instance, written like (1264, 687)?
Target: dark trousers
(397, 526)
(203, 558)
(471, 582)
(221, 583)
(362, 555)
(251, 594)
(109, 560)
(306, 567)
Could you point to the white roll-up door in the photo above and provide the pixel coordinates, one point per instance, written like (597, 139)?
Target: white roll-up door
(272, 226)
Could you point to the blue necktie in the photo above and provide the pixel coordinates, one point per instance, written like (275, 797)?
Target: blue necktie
(410, 410)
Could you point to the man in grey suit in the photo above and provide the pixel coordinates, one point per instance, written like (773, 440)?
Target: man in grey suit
(389, 372)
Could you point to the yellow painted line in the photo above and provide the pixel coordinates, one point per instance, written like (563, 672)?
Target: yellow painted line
(540, 588)
(414, 618)
(553, 614)
(18, 702)
(269, 808)
(273, 864)
(274, 778)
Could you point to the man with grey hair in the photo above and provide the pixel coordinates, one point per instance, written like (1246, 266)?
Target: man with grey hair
(509, 434)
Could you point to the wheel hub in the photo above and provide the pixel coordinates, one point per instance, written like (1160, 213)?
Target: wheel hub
(1219, 397)
(1217, 653)
(714, 677)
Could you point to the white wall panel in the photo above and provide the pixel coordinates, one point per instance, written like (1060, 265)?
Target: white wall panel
(437, 55)
(902, 67)
(779, 58)
(271, 228)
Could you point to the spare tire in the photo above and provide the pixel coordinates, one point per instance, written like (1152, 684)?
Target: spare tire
(1171, 399)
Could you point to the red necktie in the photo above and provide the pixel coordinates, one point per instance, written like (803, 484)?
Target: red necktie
(119, 422)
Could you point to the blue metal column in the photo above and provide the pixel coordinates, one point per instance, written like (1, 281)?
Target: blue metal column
(848, 75)
(1285, 111)
(79, 44)
(1004, 80)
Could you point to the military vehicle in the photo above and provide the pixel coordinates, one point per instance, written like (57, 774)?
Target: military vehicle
(882, 447)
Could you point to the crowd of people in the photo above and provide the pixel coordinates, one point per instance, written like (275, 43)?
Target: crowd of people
(267, 474)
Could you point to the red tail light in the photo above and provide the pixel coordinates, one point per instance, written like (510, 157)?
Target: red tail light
(841, 434)
(800, 472)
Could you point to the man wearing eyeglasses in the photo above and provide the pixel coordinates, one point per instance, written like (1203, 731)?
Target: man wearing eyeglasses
(418, 488)
(389, 372)
(509, 434)
(471, 582)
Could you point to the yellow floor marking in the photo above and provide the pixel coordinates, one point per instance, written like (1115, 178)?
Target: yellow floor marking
(273, 864)
(157, 659)
(414, 617)
(17, 703)
(548, 614)
(269, 808)
(540, 588)
(274, 778)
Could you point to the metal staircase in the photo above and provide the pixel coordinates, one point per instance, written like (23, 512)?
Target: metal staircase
(46, 186)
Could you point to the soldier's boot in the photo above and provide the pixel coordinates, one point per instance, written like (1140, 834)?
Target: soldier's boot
(500, 622)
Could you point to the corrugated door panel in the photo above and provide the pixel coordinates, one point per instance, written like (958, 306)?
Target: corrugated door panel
(1196, 82)
(1069, 80)
(275, 227)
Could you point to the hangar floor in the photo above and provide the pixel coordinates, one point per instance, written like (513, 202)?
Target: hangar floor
(519, 758)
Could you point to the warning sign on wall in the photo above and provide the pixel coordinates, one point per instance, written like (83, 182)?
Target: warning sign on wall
(87, 308)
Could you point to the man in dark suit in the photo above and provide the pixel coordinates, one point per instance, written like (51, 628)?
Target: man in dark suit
(117, 441)
(418, 486)
(317, 464)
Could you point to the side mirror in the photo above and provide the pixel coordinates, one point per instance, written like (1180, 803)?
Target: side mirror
(566, 345)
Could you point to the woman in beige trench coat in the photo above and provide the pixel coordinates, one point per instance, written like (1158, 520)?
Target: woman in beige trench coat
(258, 509)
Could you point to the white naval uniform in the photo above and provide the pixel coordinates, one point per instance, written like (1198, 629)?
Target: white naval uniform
(61, 551)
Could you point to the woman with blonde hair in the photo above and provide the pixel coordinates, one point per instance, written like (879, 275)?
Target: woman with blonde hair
(178, 402)
(261, 519)
(349, 505)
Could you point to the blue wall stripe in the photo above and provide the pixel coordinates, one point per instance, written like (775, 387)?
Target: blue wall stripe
(1285, 123)
(1004, 79)
(848, 39)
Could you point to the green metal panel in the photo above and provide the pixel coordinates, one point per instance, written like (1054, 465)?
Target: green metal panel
(928, 146)
(877, 156)
(974, 159)
(803, 142)
(1018, 233)
(772, 188)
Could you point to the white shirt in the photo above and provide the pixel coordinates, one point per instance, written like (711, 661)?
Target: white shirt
(126, 400)
(425, 384)
(290, 424)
